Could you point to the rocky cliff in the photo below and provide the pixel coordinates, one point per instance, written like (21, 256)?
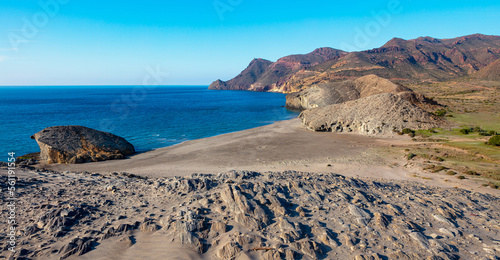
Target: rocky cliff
(329, 93)
(79, 144)
(377, 114)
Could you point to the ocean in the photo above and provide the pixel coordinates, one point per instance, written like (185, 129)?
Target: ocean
(149, 117)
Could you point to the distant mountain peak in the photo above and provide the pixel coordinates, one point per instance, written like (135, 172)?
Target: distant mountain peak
(420, 59)
(427, 39)
(326, 51)
(394, 42)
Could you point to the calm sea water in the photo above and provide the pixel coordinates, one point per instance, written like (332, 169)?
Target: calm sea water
(148, 117)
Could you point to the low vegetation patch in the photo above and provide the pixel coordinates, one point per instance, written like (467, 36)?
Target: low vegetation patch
(465, 131)
(434, 168)
(472, 173)
(495, 141)
(438, 169)
(440, 113)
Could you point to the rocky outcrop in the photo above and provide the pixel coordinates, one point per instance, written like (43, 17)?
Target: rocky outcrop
(300, 215)
(378, 114)
(330, 93)
(79, 144)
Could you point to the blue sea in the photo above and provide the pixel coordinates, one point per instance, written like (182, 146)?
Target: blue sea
(149, 117)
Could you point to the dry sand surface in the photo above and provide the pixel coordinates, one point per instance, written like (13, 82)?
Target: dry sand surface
(282, 146)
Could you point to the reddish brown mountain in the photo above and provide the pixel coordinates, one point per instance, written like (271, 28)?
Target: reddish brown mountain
(421, 59)
(490, 72)
(264, 75)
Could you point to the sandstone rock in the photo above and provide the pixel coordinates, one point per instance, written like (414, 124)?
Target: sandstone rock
(334, 228)
(330, 93)
(361, 215)
(78, 144)
(229, 251)
(77, 246)
(148, 226)
(377, 114)
(189, 240)
(420, 239)
(381, 220)
(441, 218)
(309, 248)
(218, 228)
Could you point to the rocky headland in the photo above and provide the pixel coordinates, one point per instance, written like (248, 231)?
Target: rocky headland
(329, 93)
(378, 114)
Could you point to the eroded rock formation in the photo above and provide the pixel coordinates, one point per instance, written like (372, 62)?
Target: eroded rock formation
(378, 114)
(330, 93)
(251, 215)
(79, 144)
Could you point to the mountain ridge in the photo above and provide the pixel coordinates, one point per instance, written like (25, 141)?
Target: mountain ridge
(421, 59)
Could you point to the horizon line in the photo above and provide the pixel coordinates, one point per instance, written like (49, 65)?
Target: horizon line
(101, 85)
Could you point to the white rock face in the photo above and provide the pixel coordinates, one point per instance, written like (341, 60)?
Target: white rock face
(329, 93)
(377, 114)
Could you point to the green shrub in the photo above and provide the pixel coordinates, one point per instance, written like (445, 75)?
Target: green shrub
(429, 167)
(493, 185)
(469, 172)
(408, 131)
(439, 159)
(460, 177)
(494, 140)
(451, 173)
(411, 134)
(411, 156)
(465, 131)
(492, 132)
(440, 113)
(439, 168)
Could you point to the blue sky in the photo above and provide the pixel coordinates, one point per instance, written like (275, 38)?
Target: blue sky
(89, 42)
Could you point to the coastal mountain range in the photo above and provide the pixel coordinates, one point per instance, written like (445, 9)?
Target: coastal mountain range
(422, 59)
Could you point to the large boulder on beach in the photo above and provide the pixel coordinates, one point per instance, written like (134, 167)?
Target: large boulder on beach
(79, 144)
(377, 114)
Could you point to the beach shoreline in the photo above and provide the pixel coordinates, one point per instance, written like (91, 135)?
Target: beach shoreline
(281, 146)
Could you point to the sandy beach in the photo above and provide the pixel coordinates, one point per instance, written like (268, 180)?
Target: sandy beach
(281, 146)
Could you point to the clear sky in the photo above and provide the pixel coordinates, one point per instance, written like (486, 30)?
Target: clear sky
(89, 42)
